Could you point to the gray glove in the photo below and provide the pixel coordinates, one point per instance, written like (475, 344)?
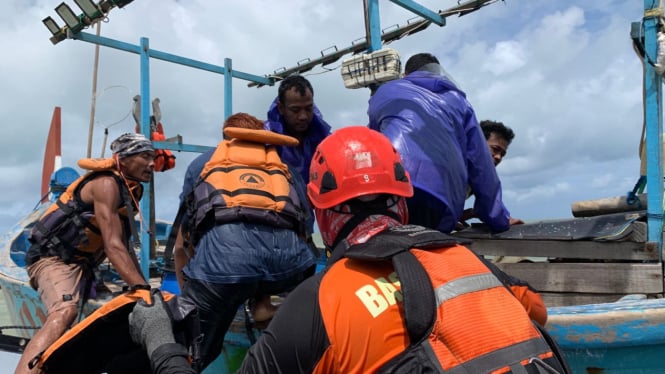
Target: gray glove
(150, 325)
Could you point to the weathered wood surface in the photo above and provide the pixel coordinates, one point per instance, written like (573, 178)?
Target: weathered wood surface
(607, 278)
(576, 272)
(627, 250)
(571, 299)
(590, 208)
(578, 283)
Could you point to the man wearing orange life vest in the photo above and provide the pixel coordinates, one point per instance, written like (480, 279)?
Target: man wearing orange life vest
(89, 222)
(245, 219)
(463, 314)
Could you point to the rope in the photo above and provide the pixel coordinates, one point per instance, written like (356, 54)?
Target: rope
(654, 12)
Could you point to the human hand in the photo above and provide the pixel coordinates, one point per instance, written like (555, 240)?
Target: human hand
(515, 221)
(467, 214)
(150, 324)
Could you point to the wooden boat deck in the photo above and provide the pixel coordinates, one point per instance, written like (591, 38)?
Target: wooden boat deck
(580, 260)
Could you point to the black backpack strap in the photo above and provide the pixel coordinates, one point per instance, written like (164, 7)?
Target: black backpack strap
(136, 239)
(394, 240)
(418, 296)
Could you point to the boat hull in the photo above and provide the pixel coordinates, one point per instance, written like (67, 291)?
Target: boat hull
(627, 336)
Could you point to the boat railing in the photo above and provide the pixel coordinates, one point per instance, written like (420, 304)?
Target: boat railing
(578, 261)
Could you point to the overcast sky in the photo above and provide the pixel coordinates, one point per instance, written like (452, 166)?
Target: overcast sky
(561, 73)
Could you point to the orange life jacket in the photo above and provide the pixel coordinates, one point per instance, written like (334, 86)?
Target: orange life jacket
(478, 326)
(68, 229)
(164, 158)
(245, 180)
(103, 340)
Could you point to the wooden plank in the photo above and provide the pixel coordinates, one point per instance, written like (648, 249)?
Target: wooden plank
(568, 299)
(639, 232)
(606, 278)
(617, 227)
(625, 250)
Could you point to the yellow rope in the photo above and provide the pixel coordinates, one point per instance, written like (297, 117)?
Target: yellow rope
(654, 12)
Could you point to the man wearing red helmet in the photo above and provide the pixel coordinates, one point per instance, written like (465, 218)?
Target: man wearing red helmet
(394, 297)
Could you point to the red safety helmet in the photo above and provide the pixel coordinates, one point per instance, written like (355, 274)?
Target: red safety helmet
(353, 162)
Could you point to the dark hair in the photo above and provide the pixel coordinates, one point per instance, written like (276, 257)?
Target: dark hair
(502, 130)
(298, 81)
(243, 121)
(415, 62)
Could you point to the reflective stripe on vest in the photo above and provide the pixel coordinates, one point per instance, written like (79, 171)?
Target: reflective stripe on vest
(514, 353)
(465, 285)
(475, 312)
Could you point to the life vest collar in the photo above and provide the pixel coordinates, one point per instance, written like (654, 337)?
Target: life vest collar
(97, 164)
(260, 136)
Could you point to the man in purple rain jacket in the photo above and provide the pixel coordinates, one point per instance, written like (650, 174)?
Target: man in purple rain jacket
(430, 122)
(293, 113)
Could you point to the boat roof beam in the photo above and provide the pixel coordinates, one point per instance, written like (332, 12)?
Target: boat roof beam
(430, 15)
(372, 28)
(164, 56)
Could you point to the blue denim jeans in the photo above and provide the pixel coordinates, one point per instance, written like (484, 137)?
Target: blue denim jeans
(218, 304)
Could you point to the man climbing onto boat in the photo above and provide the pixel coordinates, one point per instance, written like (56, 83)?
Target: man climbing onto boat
(245, 219)
(91, 221)
(294, 113)
(380, 304)
(498, 137)
(429, 121)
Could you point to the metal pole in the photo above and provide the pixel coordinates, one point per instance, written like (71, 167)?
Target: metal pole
(145, 130)
(373, 25)
(654, 126)
(93, 103)
(228, 88)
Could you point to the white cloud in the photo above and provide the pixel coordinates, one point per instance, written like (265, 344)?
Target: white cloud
(505, 57)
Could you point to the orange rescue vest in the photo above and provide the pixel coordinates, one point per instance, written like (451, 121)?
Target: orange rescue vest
(459, 317)
(245, 180)
(103, 340)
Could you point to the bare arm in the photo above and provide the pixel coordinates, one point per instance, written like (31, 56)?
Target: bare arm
(181, 257)
(105, 194)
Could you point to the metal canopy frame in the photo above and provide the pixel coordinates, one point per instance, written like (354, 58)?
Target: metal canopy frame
(145, 53)
(373, 40)
(375, 35)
